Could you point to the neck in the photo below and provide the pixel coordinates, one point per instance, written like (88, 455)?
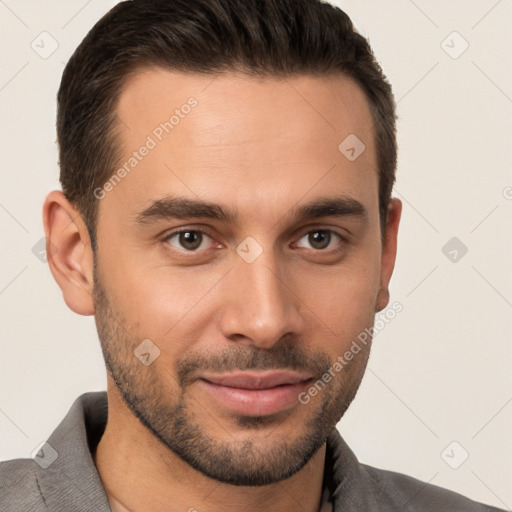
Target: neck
(141, 473)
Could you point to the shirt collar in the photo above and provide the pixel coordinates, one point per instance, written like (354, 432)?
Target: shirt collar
(71, 481)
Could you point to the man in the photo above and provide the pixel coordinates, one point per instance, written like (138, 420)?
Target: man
(227, 217)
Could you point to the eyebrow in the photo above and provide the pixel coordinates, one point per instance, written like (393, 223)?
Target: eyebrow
(184, 208)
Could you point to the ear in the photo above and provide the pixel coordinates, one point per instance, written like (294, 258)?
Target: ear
(69, 252)
(389, 246)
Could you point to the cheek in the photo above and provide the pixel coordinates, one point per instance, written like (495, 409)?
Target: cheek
(160, 302)
(343, 302)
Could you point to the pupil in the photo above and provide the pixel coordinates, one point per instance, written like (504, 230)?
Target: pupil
(189, 239)
(321, 238)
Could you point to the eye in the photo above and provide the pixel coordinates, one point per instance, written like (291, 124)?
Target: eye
(187, 239)
(321, 239)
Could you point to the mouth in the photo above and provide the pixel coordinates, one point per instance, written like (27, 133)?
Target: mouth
(254, 393)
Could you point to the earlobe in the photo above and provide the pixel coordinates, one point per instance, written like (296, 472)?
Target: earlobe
(69, 252)
(389, 248)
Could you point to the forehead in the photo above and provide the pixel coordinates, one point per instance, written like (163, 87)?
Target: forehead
(243, 137)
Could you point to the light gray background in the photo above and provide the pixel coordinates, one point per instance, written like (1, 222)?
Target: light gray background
(441, 370)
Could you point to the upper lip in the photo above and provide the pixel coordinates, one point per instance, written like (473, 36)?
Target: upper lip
(256, 380)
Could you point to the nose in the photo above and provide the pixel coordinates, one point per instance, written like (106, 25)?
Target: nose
(261, 305)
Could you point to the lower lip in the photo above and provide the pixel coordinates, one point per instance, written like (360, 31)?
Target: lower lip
(256, 402)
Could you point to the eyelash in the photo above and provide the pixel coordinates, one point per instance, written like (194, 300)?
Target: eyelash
(339, 248)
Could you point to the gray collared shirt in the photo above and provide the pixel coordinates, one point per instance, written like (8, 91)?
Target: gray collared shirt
(62, 477)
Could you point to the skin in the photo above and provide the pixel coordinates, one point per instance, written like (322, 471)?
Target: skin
(261, 147)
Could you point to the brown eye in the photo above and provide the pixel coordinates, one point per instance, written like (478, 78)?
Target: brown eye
(321, 239)
(190, 240)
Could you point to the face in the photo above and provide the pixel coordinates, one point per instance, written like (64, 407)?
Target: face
(247, 248)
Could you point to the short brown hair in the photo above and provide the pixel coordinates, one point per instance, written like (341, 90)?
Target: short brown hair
(258, 37)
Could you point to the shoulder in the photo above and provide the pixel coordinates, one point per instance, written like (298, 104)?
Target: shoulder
(364, 487)
(19, 489)
(408, 493)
